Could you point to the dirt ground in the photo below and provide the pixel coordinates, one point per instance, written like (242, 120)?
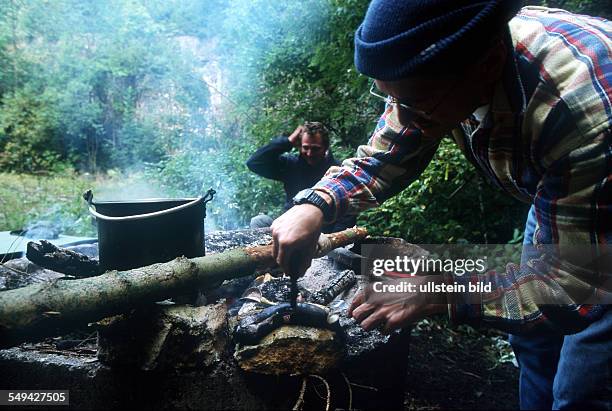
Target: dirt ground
(459, 368)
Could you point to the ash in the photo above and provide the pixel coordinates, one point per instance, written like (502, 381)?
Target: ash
(371, 360)
(323, 272)
(219, 241)
(359, 342)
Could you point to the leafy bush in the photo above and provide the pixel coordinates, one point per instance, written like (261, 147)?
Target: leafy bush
(28, 133)
(97, 85)
(449, 202)
(101, 85)
(310, 76)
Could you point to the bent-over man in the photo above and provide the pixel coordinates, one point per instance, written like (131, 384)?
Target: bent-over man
(527, 96)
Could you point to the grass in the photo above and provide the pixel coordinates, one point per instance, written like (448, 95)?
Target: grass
(27, 199)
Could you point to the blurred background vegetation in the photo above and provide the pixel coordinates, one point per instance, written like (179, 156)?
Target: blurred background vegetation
(170, 97)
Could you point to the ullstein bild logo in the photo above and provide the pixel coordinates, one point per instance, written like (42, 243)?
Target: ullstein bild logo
(411, 266)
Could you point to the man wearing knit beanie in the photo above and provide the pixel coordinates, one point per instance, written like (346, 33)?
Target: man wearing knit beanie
(527, 96)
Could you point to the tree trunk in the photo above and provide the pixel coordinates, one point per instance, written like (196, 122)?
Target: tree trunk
(48, 309)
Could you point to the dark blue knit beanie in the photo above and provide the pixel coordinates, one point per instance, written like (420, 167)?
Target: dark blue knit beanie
(400, 38)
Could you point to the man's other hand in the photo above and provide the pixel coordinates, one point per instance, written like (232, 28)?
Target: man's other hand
(295, 236)
(390, 311)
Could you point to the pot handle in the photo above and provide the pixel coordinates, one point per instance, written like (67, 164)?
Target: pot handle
(88, 196)
(209, 195)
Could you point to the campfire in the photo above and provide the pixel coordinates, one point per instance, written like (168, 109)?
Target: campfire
(239, 344)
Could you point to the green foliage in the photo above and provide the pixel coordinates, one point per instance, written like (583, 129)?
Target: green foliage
(289, 63)
(28, 141)
(449, 202)
(240, 193)
(118, 82)
(600, 8)
(187, 17)
(309, 75)
(100, 84)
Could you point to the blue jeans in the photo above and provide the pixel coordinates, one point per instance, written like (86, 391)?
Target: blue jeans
(565, 372)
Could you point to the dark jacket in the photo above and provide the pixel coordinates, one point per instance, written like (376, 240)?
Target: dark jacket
(275, 162)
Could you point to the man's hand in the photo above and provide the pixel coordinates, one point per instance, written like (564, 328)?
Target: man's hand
(295, 236)
(391, 311)
(295, 137)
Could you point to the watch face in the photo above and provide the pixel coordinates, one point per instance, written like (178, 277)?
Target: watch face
(302, 195)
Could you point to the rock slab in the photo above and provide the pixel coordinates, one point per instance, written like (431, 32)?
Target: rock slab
(292, 350)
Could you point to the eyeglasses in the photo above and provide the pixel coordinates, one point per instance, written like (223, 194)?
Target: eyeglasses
(389, 99)
(410, 108)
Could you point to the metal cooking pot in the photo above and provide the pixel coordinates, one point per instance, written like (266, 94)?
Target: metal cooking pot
(137, 233)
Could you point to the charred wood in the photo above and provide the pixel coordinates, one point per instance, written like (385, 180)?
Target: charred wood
(62, 260)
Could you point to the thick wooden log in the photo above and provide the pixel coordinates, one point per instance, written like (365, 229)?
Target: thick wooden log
(49, 309)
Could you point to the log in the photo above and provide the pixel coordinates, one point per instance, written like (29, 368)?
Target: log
(62, 260)
(49, 309)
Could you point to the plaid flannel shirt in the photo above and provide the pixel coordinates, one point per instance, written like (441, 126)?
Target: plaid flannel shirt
(547, 141)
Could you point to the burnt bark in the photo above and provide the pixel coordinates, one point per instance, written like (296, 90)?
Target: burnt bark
(48, 309)
(62, 260)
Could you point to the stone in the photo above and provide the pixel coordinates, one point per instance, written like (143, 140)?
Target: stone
(196, 338)
(292, 350)
(167, 337)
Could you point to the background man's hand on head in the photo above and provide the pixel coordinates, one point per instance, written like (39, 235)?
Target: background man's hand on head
(295, 137)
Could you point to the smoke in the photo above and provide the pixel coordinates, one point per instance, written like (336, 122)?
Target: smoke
(238, 45)
(249, 38)
(128, 186)
(162, 89)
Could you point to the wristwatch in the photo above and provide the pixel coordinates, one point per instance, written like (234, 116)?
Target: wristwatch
(309, 196)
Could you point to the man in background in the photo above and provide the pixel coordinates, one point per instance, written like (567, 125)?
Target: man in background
(296, 172)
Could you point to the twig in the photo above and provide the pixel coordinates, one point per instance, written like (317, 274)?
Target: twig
(367, 387)
(90, 337)
(9, 250)
(13, 269)
(82, 352)
(326, 387)
(300, 401)
(445, 358)
(318, 393)
(350, 390)
(454, 193)
(470, 374)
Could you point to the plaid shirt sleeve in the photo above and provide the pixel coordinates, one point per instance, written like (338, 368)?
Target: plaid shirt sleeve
(564, 284)
(393, 158)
